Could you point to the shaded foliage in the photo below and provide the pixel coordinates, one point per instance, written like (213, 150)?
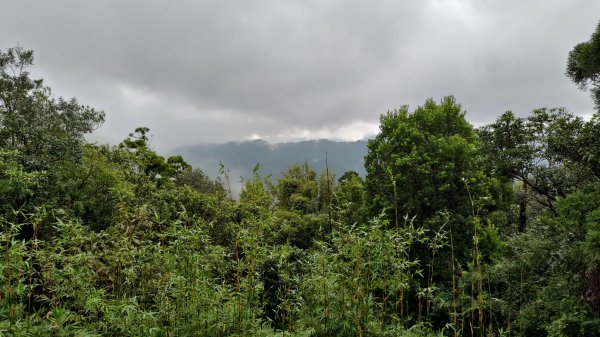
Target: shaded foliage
(583, 65)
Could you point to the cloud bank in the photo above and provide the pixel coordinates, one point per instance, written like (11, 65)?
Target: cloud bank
(216, 71)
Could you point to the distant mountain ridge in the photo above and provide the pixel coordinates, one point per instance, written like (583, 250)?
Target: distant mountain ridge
(241, 157)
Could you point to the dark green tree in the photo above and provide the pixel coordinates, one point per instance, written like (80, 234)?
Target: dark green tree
(149, 162)
(44, 130)
(16, 185)
(424, 165)
(349, 198)
(423, 162)
(43, 134)
(544, 151)
(583, 68)
(199, 181)
(583, 65)
(298, 189)
(90, 187)
(579, 143)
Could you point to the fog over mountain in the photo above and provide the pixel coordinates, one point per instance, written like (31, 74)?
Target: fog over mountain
(241, 157)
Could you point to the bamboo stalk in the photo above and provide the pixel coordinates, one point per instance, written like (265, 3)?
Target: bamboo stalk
(453, 284)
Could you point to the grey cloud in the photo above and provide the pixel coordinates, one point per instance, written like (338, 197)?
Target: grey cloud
(212, 71)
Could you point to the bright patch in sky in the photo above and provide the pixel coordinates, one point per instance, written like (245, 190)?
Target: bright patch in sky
(350, 132)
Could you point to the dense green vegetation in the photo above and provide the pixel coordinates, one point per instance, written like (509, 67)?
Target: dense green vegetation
(454, 231)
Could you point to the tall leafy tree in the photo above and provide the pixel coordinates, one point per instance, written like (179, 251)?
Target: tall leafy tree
(349, 198)
(425, 165)
(583, 65)
(423, 162)
(540, 150)
(148, 162)
(43, 134)
(298, 189)
(43, 129)
(199, 181)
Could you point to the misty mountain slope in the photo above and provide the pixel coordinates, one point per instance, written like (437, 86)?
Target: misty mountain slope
(241, 157)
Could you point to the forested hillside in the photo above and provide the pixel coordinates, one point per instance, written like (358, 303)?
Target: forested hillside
(453, 231)
(240, 157)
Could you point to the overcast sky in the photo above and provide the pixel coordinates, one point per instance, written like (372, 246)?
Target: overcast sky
(216, 71)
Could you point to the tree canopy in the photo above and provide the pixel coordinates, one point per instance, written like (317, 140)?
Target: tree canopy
(423, 162)
(43, 129)
(583, 65)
